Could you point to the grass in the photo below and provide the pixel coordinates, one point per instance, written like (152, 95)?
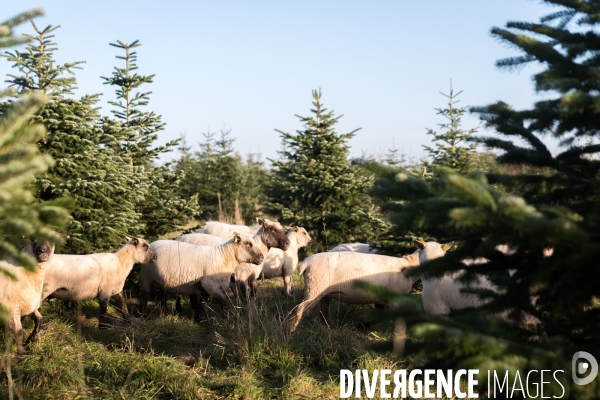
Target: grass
(245, 356)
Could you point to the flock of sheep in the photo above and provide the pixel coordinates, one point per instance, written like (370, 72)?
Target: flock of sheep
(206, 264)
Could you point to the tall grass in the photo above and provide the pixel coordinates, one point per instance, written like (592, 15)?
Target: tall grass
(247, 355)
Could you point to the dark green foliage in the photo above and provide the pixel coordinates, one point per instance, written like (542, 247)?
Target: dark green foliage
(20, 216)
(448, 151)
(314, 186)
(87, 168)
(226, 188)
(545, 201)
(160, 208)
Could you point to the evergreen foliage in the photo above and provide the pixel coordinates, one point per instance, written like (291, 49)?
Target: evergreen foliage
(226, 188)
(160, 208)
(530, 212)
(87, 167)
(20, 215)
(448, 151)
(313, 185)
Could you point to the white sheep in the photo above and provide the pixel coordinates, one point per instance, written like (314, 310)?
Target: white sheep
(221, 229)
(83, 277)
(356, 247)
(445, 294)
(268, 228)
(277, 264)
(203, 239)
(331, 275)
(184, 268)
(23, 296)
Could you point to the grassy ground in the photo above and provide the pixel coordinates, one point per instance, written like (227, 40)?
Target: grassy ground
(247, 355)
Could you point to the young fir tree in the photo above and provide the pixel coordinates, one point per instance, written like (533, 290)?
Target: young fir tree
(20, 215)
(215, 178)
(449, 150)
(161, 209)
(314, 186)
(558, 209)
(87, 168)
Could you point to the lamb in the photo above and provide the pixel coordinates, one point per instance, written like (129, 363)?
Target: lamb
(224, 230)
(355, 247)
(445, 294)
(278, 263)
(23, 296)
(185, 268)
(83, 277)
(331, 275)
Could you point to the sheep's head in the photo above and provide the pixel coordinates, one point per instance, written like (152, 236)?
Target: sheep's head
(247, 250)
(431, 250)
(42, 250)
(142, 253)
(272, 234)
(302, 236)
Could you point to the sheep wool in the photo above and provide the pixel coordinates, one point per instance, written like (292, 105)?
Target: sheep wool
(23, 296)
(184, 268)
(224, 230)
(102, 275)
(331, 275)
(278, 264)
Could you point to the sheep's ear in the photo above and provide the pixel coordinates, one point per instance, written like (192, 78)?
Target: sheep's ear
(128, 238)
(295, 229)
(419, 244)
(236, 237)
(135, 241)
(447, 246)
(261, 222)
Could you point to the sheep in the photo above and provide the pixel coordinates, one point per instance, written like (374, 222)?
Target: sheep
(185, 268)
(83, 277)
(355, 247)
(331, 275)
(445, 294)
(270, 235)
(278, 263)
(24, 295)
(202, 239)
(224, 230)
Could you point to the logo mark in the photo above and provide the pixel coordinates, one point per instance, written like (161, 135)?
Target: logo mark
(582, 367)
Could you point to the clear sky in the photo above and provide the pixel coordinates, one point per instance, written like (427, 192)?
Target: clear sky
(250, 66)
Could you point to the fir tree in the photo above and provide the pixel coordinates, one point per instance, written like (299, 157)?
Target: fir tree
(87, 168)
(448, 151)
(313, 185)
(20, 216)
(557, 209)
(160, 208)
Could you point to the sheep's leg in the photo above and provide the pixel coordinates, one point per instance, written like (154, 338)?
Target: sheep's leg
(324, 311)
(163, 302)
(253, 289)
(299, 311)
(37, 319)
(122, 305)
(201, 314)
(102, 319)
(196, 308)
(16, 329)
(178, 308)
(287, 285)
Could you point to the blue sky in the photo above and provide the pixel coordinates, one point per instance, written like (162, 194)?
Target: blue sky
(250, 66)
